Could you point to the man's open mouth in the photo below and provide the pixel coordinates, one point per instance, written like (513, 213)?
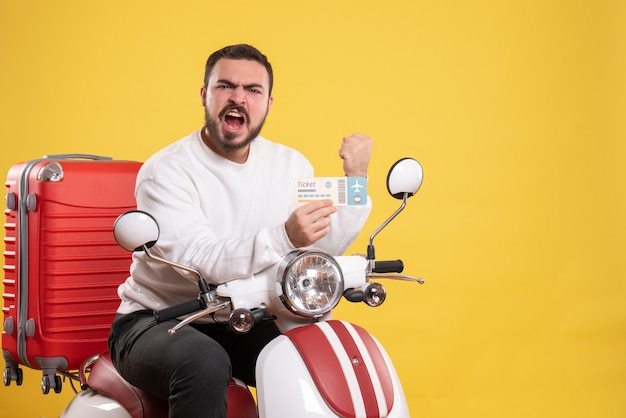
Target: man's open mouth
(234, 119)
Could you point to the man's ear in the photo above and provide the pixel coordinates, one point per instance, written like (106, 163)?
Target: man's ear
(203, 95)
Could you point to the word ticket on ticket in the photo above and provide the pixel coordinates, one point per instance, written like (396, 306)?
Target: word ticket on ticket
(342, 191)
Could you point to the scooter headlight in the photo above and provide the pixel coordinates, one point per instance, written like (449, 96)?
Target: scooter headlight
(310, 283)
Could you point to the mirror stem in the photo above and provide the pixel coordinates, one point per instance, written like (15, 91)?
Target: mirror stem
(205, 288)
(371, 254)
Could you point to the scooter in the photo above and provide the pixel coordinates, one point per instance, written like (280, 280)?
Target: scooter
(317, 367)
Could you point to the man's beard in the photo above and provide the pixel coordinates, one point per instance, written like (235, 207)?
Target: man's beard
(224, 142)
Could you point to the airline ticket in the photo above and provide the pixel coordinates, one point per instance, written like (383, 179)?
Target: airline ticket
(342, 191)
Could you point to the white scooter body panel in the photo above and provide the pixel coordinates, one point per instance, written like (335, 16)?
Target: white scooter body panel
(286, 387)
(89, 403)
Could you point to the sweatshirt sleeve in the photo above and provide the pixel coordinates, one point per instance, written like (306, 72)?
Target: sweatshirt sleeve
(346, 225)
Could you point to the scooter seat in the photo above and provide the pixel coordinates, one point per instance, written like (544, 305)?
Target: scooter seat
(104, 378)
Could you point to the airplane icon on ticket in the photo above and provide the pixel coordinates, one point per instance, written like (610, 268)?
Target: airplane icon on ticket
(357, 187)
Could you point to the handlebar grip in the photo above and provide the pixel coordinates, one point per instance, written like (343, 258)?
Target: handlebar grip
(390, 266)
(179, 310)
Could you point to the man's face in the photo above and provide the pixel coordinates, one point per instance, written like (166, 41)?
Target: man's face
(236, 101)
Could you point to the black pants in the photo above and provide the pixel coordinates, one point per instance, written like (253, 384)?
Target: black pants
(190, 369)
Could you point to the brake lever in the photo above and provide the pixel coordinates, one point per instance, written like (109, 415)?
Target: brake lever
(396, 277)
(209, 310)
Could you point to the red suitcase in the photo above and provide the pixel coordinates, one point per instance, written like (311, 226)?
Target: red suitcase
(62, 264)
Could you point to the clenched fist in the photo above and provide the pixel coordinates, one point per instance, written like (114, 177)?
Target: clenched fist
(355, 152)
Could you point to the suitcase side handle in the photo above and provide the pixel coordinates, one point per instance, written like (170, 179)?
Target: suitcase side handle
(79, 156)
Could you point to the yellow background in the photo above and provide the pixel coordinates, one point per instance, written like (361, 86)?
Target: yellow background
(515, 109)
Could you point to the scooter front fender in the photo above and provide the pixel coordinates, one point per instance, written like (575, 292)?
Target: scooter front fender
(328, 369)
(92, 404)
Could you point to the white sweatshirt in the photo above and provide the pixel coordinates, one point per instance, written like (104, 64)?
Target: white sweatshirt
(222, 218)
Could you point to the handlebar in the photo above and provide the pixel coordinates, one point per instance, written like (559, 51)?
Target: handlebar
(179, 310)
(390, 266)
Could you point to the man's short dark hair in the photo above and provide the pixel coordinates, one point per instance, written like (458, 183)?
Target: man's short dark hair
(239, 52)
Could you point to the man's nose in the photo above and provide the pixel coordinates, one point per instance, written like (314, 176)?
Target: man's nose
(238, 95)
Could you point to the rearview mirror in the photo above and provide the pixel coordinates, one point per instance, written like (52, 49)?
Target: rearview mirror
(136, 230)
(405, 177)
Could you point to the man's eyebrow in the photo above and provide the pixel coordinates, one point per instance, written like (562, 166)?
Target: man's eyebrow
(246, 86)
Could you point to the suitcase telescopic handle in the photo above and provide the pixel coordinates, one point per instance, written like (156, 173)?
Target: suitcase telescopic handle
(77, 156)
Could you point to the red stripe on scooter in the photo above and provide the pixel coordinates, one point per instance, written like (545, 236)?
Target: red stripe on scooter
(322, 363)
(380, 364)
(321, 359)
(362, 374)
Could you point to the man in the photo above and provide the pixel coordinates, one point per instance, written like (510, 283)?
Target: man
(224, 200)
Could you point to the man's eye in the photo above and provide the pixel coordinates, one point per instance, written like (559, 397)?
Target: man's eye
(222, 87)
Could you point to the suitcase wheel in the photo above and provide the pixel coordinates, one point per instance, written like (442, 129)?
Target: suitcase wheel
(45, 384)
(9, 375)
